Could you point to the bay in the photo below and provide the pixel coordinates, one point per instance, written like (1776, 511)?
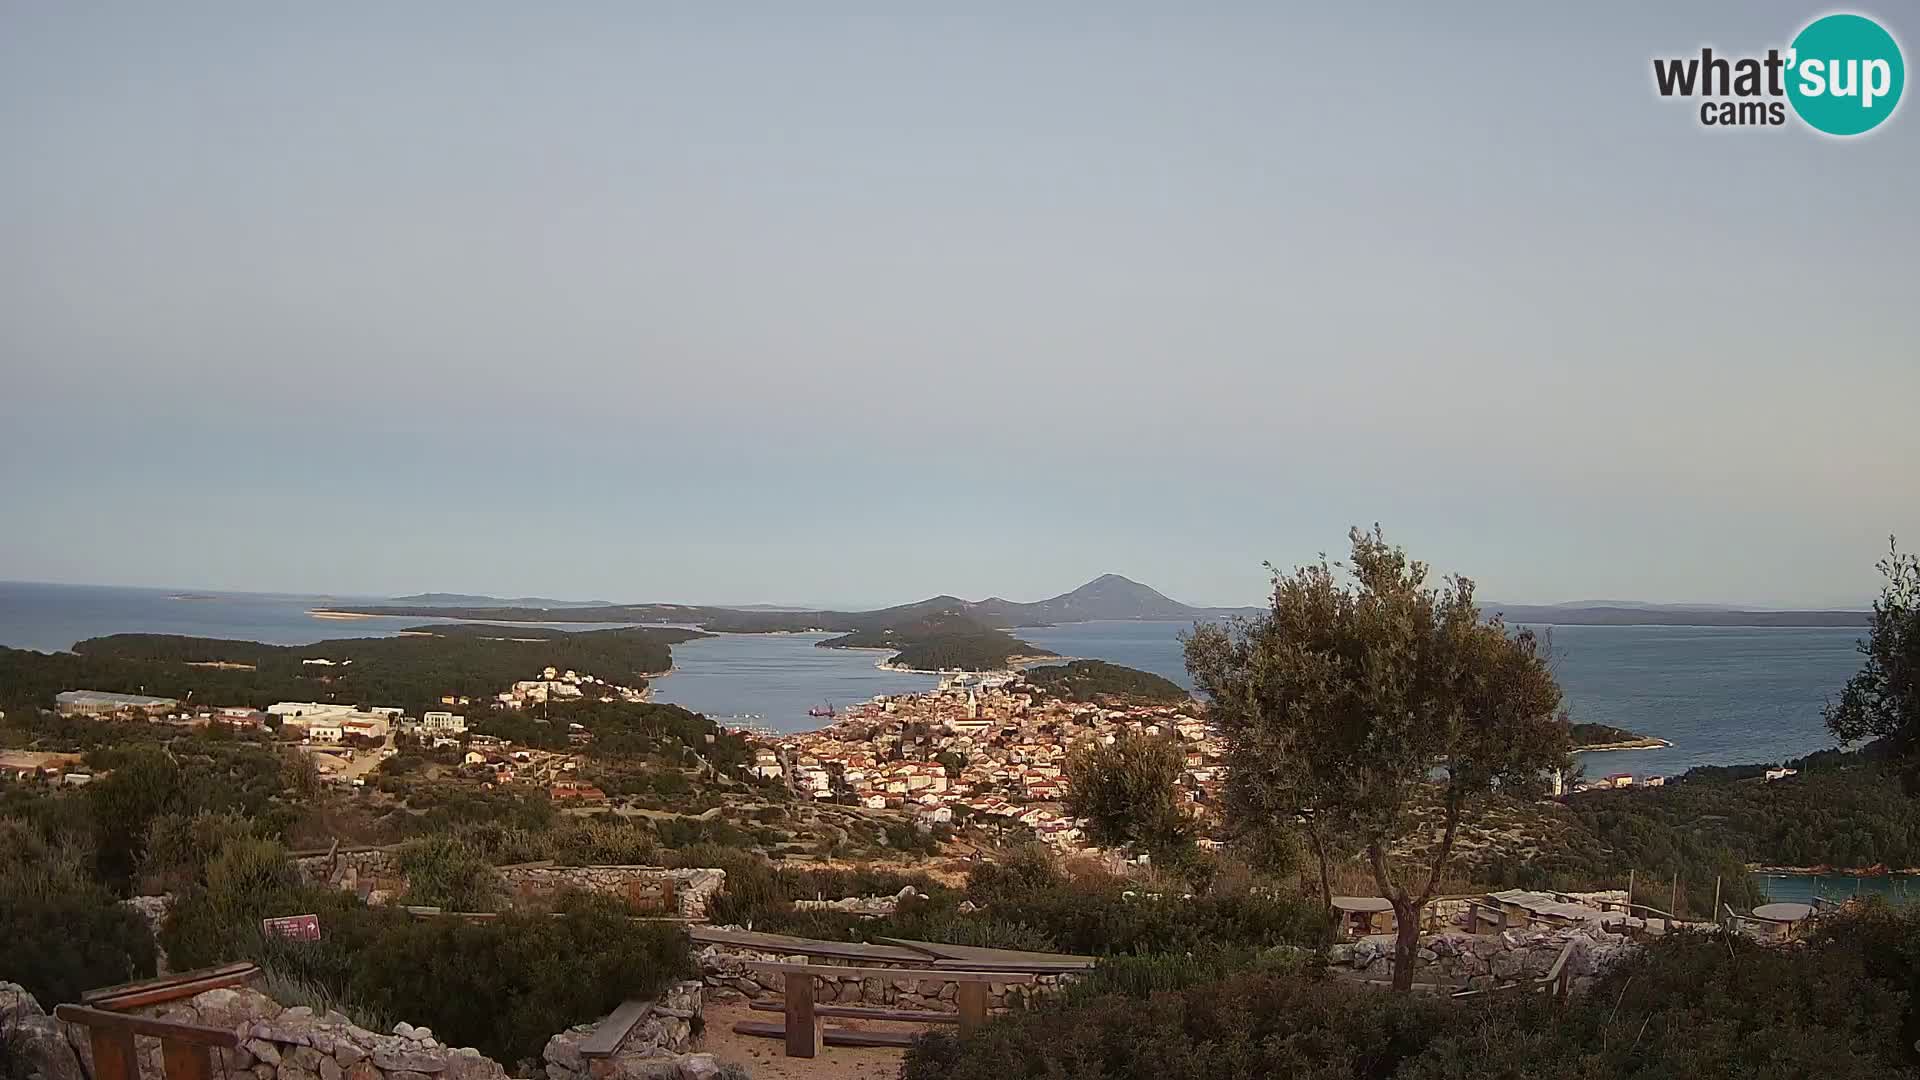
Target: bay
(1721, 695)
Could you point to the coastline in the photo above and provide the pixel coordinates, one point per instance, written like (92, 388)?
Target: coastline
(1634, 744)
(1014, 664)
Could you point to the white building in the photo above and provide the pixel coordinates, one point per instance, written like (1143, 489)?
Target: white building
(442, 723)
(325, 732)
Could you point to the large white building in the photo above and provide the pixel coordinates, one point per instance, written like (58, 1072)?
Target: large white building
(442, 723)
(315, 710)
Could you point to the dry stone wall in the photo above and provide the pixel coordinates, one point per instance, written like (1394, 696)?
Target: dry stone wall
(689, 891)
(724, 969)
(374, 874)
(276, 1043)
(1483, 961)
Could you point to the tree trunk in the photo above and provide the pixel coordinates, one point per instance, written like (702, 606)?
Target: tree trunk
(1326, 878)
(1406, 943)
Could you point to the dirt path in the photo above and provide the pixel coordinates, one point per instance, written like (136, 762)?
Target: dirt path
(766, 1058)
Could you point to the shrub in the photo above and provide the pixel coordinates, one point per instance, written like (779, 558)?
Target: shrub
(63, 933)
(1691, 1005)
(447, 872)
(506, 985)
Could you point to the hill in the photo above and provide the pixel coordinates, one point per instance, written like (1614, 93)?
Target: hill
(1097, 680)
(1109, 596)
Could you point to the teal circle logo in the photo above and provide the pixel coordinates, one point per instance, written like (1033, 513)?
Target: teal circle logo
(1845, 74)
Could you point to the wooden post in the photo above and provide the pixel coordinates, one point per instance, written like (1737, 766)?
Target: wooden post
(185, 1061)
(972, 999)
(113, 1056)
(1716, 899)
(1673, 905)
(803, 1029)
(1630, 874)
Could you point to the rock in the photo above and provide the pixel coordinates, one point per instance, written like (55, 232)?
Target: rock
(403, 1029)
(298, 1012)
(238, 1059)
(1507, 965)
(347, 1054)
(1486, 947)
(424, 1034)
(405, 1074)
(701, 1066)
(268, 1053)
(407, 1062)
(36, 1045)
(330, 1069)
(272, 1033)
(363, 1070)
(263, 1071)
(294, 1072)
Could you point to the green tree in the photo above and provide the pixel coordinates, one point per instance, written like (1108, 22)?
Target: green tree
(1364, 698)
(1882, 700)
(1129, 791)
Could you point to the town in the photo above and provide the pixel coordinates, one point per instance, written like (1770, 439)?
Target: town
(983, 749)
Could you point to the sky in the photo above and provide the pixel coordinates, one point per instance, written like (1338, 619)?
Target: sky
(783, 303)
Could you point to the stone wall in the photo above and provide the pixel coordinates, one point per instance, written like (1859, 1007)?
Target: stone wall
(374, 875)
(687, 891)
(276, 1043)
(724, 968)
(1482, 961)
(657, 1047)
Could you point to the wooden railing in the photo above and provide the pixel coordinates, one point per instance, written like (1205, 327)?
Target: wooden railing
(186, 1050)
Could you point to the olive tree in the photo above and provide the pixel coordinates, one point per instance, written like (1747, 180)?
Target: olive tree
(1129, 792)
(1367, 698)
(1882, 700)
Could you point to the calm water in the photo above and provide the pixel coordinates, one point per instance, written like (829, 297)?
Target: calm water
(776, 678)
(1802, 888)
(1722, 695)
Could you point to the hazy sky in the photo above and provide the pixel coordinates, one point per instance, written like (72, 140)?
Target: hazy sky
(651, 302)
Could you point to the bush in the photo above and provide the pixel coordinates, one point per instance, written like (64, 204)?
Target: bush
(447, 872)
(62, 932)
(1691, 1005)
(506, 985)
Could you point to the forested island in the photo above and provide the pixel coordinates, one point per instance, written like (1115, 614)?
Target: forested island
(412, 670)
(1590, 737)
(941, 641)
(1099, 681)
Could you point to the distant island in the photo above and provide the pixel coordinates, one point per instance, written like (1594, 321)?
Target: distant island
(1109, 597)
(941, 641)
(946, 633)
(1588, 738)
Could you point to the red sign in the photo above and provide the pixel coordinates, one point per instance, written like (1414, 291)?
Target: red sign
(293, 927)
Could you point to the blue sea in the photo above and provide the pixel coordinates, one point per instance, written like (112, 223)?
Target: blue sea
(1721, 695)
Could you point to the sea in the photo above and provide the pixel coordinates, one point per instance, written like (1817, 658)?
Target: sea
(1719, 695)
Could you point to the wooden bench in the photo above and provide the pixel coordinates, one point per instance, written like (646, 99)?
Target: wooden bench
(185, 1049)
(802, 1029)
(611, 1032)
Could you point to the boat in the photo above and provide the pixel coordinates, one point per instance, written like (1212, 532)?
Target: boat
(821, 710)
